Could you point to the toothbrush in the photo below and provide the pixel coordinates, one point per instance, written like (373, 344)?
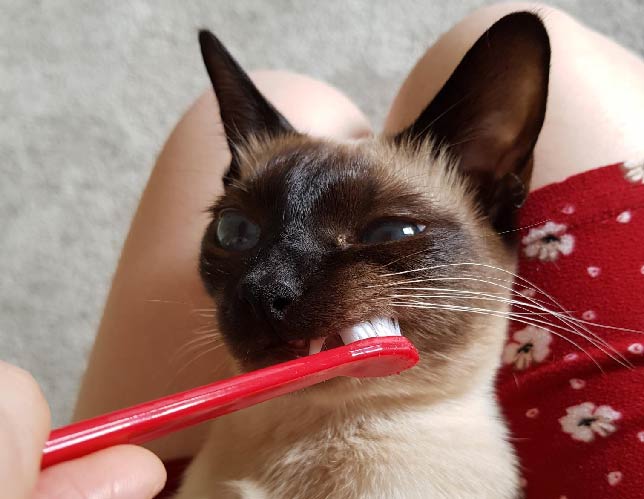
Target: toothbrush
(371, 357)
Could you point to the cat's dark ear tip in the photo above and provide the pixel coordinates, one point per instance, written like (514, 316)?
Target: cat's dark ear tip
(207, 40)
(525, 18)
(526, 23)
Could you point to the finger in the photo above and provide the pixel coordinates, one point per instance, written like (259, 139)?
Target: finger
(121, 472)
(24, 426)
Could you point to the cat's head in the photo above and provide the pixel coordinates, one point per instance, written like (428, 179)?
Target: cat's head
(314, 241)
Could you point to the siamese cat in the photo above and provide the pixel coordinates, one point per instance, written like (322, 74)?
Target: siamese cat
(316, 244)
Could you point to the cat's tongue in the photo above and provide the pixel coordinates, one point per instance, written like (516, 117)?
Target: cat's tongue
(380, 326)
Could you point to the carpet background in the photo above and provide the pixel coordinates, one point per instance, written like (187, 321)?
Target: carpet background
(89, 90)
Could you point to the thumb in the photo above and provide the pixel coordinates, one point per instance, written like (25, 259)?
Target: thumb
(121, 472)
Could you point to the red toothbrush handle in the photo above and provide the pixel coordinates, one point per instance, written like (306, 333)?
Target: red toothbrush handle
(150, 420)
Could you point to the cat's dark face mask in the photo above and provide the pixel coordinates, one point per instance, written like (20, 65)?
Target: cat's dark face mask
(315, 244)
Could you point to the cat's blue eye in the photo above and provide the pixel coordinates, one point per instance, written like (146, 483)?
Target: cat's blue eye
(235, 232)
(391, 230)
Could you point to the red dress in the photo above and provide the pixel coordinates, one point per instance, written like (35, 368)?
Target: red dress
(573, 391)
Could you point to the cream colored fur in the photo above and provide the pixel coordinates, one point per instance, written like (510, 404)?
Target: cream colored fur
(291, 449)
(434, 432)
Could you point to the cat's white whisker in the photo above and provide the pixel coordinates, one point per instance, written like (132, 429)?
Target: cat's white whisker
(496, 314)
(168, 302)
(195, 344)
(466, 297)
(565, 317)
(197, 357)
(592, 338)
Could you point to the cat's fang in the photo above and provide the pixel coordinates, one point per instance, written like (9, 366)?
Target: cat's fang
(380, 326)
(315, 345)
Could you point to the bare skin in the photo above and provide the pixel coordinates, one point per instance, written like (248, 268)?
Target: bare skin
(149, 314)
(121, 472)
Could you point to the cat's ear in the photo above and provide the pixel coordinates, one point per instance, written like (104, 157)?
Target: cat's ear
(245, 112)
(489, 113)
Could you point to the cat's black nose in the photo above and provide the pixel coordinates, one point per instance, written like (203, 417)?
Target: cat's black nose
(269, 299)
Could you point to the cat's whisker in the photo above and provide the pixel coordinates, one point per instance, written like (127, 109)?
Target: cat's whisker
(195, 344)
(467, 294)
(535, 302)
(169, 302)
(196, 358)
(594, 340)
(421, 251)
(488, 280)
(178, 357)
(496, 314)
(461, 297)
(542, 311)
(207, 328)
(397, 286)
(565, 317)
(528, 285)
(606, 326)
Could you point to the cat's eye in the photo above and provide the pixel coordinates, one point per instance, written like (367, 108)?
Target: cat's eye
(236, 232)
(391, 230)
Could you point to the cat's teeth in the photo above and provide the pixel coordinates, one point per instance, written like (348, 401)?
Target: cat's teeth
(315, 345)
(380, 326)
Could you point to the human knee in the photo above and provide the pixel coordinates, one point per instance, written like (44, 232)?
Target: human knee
(312, 106)
(549, 14)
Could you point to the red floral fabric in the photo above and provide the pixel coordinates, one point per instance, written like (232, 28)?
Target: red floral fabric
(572, 389)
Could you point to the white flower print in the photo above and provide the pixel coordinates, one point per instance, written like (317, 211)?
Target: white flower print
(624, 217)
(634, 171)
(568, 209)
(614, 477)
(570, 357)
(529, 292)
(528, 345)
(532, 413)
(589, 315)
(585, 420)
(576, 383)
(548, 241)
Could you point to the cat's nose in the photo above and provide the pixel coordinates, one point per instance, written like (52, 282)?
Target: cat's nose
(269, 300)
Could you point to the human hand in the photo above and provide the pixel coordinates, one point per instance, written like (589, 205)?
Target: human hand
(121, 472)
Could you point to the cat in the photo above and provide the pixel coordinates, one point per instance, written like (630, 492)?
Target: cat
(318, 243)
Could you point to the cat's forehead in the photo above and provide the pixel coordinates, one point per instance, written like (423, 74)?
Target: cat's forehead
(301, 176)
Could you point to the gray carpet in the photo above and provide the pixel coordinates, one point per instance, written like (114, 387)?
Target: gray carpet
(88, 93)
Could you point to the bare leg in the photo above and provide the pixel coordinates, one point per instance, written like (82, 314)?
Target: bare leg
(596, 102)
(149, 315)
